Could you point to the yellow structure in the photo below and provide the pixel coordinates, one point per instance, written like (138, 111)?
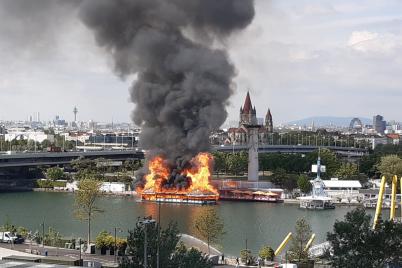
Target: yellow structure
(309, 242)
(286, 241)
(283, 244)
(393, 200)
(379, 202)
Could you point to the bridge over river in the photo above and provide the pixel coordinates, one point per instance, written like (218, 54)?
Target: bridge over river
(293, 149)
(60, 158)
(52, 158)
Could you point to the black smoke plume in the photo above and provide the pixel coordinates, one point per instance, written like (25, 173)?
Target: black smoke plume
(182, 85)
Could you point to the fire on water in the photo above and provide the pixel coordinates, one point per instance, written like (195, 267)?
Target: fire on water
(190, 185)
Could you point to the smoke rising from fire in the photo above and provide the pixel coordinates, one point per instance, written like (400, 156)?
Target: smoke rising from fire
(183, 86)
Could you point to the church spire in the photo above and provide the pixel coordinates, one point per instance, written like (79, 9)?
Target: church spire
(268, 122)
(247, 107)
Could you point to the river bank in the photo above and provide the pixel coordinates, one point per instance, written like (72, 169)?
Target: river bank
(257, 223)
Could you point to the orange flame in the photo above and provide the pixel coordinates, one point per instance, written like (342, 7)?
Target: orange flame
(199, 174)
(158, 172)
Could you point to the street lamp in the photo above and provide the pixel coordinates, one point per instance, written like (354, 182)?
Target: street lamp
(145, 222)
(115, 242)
(159, 234)
(43, 233)
(79, 241)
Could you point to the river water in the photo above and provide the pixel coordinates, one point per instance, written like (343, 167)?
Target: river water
(258, 223)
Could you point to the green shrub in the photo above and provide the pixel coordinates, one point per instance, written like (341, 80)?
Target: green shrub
(267, 253)
(50, 184)
(104, 240)
(246, 257)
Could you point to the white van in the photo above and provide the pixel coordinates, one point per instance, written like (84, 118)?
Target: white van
(7, 237)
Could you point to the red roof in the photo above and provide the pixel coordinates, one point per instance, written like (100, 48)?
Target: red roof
(247, 107)
(236, 130)
(393, 136)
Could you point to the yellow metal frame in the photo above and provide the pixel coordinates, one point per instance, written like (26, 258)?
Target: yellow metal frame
(283, 244)
(379, 202)
(286, 241)
(309, 242)
(393, 199)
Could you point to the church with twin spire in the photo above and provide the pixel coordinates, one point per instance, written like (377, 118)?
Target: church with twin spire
(248, 117)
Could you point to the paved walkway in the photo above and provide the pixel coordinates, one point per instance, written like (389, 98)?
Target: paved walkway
(23, 249)
(191, 241)
(5, 252)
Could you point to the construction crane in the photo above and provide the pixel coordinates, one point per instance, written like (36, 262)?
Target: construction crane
(393, 200)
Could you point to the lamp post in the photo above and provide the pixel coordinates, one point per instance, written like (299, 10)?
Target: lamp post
(159, 234)
(79, 241)
(115, 242)
(145, 222)
(43, 233)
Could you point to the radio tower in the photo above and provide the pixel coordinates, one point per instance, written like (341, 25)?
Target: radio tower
(75, 111)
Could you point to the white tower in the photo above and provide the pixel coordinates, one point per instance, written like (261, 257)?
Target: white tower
(253, 152)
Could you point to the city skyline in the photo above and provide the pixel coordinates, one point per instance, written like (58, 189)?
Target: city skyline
(340, 59)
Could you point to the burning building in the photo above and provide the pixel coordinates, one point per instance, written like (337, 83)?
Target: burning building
(184, 79)
(190, 184)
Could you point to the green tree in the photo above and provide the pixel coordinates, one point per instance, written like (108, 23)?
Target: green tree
(53, 238)
(328, 158)
(208, 225)
(304, 184)
(267, 253)
(219, 162)
(104, 240)
(355, 244)
(169, 237)
(389, 166)
(347, 171)
(54, 173)
(184, 258)
(246, 257)
(46, 143)
(237, 163)
(86, 168)
(89, 190)
(284, 180)
(300, 238)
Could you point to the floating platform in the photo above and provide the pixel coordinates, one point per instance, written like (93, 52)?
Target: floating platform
(183, 198)
(251, 196)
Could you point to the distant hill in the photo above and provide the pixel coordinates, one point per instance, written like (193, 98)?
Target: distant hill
(320, 121)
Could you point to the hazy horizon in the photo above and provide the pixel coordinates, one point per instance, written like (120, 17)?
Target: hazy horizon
(299, 58)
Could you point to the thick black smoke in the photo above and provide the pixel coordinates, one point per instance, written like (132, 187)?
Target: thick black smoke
(183, 86)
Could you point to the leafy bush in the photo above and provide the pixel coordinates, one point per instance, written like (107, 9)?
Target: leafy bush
(246, 257)
(54, 173)
(267, 253)
(50, 184)
(104, 240)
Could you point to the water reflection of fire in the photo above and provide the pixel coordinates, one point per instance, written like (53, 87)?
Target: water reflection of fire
(190, 184)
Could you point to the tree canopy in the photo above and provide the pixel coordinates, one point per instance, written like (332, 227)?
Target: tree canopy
(172, 254)
(304, 184)
(300, 238)
(389, 166)
(209, 226)
(355, 244)
(89, 190)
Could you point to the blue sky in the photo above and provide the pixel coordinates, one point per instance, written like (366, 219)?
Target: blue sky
(300, 58)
